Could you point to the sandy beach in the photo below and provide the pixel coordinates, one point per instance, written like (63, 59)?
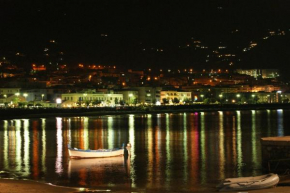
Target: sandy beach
(27, 186)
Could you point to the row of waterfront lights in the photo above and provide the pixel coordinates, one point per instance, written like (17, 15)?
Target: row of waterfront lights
(24, 94)
(130, 95)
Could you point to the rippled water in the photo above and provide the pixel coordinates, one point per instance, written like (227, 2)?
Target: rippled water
(170, 152)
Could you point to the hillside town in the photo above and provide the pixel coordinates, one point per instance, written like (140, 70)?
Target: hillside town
(110, 86)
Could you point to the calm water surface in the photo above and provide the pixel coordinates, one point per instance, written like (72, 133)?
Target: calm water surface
(185, 152)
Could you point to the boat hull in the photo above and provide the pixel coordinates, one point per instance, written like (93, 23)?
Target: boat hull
(249, 183)
(79, 153)
(95, 164)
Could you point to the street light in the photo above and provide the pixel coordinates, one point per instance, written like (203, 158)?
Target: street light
(42, 95)
(238, 96)
(5, 96)
(58, 102)
(253, 97)
(25, 95)
(202, 96)
(221, 96)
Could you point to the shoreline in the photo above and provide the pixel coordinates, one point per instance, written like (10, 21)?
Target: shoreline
(14, 113)
(30, 186)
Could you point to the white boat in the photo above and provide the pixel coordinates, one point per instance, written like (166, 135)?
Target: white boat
(249, 183)
(100, 153)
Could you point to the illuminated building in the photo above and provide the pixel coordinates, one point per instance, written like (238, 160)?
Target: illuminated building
(90, 99)
(173, 95)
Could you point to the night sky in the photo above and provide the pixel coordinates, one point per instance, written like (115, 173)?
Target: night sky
(146, 33)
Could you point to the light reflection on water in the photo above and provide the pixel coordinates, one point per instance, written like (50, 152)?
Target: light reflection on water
(170, 152)
(238, 144)
(280, 122)
(221, 145)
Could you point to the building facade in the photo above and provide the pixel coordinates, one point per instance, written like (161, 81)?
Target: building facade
(90, 99)
(171, 96)
(148, 95)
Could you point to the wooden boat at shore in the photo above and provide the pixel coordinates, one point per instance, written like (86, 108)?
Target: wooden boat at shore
(99, 153)
(249, 183)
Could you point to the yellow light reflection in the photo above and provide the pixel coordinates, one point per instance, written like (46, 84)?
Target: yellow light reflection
(239, 144)
(110, 133)
(69, 131)
(234, 142)
(26, 150)
(86, 132)
(5, 146)
(157, 147)
(168, 152)
(254, 144)
(69, 143)
(18, 147)
(58, 164)
(221, 145)
(203, 171)
(80, 134)
(43, 140)
(132, 141)
(12, 145)
(150, 150)
(185, 147)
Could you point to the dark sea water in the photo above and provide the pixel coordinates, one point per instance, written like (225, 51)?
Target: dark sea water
(183, 152)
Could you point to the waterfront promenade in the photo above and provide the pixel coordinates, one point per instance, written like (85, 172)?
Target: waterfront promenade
(14, 113)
